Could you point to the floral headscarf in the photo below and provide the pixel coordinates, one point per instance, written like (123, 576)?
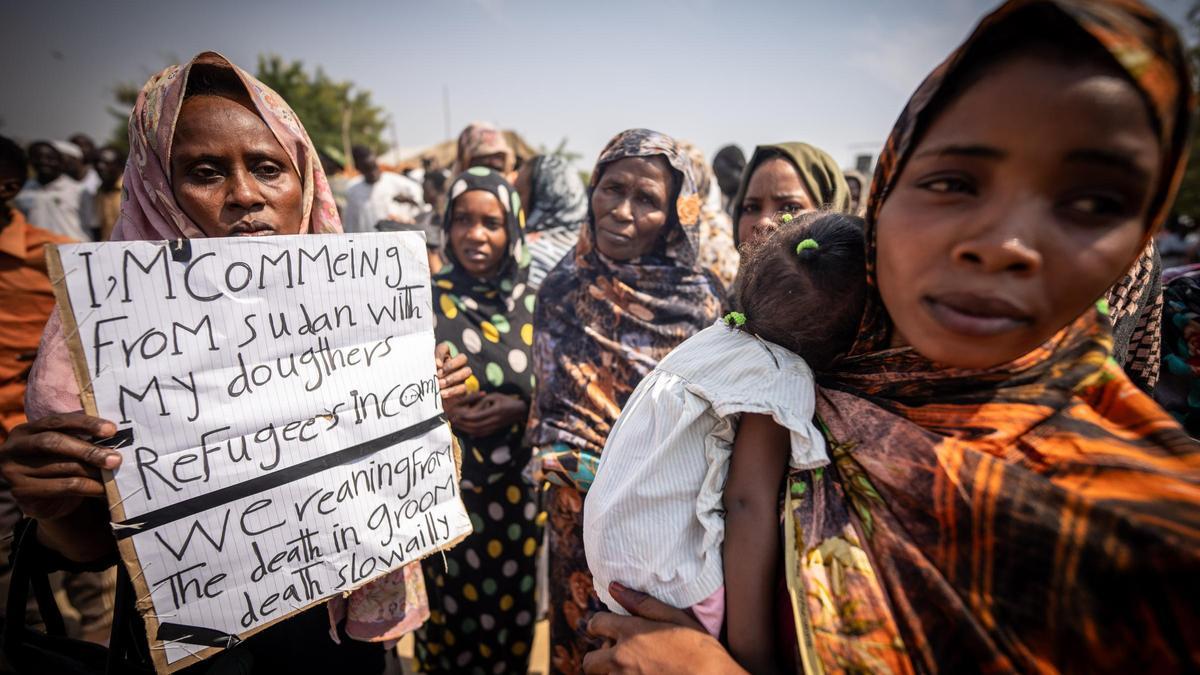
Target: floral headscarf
(482, 138)
(718, 252)
(603, 325)
(382, 610)
(1041, 515)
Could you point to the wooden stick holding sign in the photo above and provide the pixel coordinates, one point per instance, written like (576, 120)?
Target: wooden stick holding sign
(280, 425)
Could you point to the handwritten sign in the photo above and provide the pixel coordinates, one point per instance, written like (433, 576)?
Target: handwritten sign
(280, 425)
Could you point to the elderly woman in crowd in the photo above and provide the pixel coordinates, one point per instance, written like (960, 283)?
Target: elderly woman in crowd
(1001, 495)
(631, 290)
(209, 144)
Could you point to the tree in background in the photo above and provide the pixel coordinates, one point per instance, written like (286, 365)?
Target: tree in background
(334, 113)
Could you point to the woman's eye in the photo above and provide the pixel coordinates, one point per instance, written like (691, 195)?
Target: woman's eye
(205, 173)
(1097, 205)
(749, 208)
(493, 224)
(792, 208)
(268, 170)
(946, 184)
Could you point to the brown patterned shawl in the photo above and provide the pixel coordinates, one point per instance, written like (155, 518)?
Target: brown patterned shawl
(1042, 515)
(601, 325)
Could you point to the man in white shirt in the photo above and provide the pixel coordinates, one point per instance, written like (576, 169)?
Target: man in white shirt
(52, 200)
(379, 195)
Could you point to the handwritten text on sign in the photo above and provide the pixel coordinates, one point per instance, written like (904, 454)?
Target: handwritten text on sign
(283, 432)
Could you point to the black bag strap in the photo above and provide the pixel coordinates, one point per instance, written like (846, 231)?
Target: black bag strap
(31, 563)
(28, 570)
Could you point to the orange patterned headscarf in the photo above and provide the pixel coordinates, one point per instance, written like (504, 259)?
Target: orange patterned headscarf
(1042, 515)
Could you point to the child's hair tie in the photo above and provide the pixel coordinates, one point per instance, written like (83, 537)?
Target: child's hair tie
(807, 245)
(785, 218)
(735, 319)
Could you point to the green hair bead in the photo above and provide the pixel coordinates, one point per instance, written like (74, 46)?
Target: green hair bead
(735, 319)
(807, 245)
(1102, 306)
(785, 218)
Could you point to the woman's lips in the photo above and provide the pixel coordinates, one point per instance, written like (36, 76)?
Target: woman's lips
(976, 315)
(475, 255)
(615, 237)
(252, 228)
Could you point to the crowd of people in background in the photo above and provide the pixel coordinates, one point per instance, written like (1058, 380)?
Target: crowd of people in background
(938, 419)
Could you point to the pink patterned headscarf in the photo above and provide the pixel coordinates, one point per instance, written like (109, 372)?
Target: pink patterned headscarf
(482, 138)
(380, 611)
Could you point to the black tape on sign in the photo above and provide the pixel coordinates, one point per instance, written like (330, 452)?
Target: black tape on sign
(121, 439)
(181, 250)
(171, 513)
(196, 635)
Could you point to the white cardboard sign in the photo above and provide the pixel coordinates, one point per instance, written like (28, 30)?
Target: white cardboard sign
(280, 425)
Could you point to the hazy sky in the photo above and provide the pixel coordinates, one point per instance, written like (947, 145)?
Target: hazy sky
(834, 73)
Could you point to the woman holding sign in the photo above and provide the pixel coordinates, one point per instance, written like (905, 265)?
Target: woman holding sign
(214, 153)
(482, 595)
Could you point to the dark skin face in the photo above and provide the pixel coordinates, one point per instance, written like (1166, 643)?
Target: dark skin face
(774, 188)
(109, 165)
(87, 146)
(11, 180)
(630, 206)
(368, 166)
(1025, 200)
(47, 163)
(229, 173)
(478, 235)
(855, 188)
(74, 167)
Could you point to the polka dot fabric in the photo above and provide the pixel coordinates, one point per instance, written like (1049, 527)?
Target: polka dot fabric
(482, 596)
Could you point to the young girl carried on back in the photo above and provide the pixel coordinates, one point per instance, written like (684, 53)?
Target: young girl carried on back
(685, 505)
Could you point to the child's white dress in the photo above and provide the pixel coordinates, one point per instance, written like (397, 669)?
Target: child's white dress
(654, 519)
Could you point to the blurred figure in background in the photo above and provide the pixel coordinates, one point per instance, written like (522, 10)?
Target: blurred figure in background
(338, 182)
(52, 199)
(556, 201)
(106, 205)
(1179, 242)
(379, 195)
(718, 253)
(76, 166)
(858, 184)
(482, 144)
(26, 301)
(728, 164)
(86, 173)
